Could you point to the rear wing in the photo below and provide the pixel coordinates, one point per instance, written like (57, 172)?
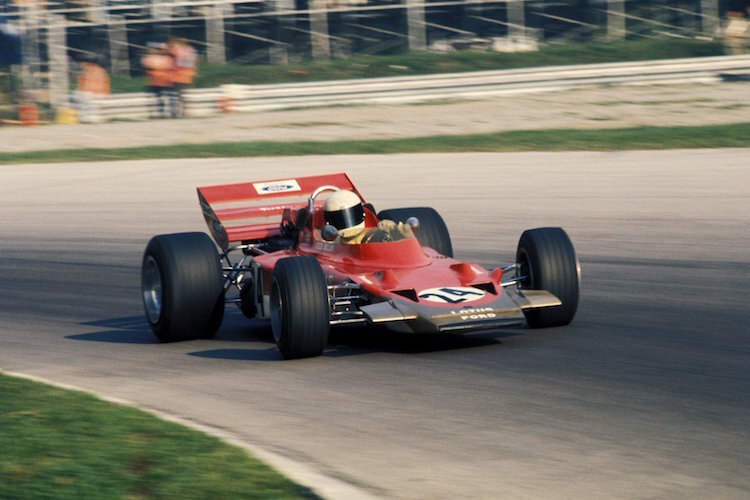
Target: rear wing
(252, 211)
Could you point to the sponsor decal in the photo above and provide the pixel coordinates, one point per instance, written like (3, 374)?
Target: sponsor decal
(323, 247)
(474, 314)
(451, 295)
(276, 187)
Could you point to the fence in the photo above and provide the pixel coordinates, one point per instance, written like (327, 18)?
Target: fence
(277, 31)
(254, 98)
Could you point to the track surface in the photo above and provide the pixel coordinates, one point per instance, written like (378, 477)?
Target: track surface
(646, 394)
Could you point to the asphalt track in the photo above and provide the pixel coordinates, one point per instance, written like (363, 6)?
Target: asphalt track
(645, 394)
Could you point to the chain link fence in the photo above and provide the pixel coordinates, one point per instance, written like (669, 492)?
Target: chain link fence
(59, 32)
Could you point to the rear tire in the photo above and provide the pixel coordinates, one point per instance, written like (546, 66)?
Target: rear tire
(547, 258)
(182, 286)
(300, 316)
(432, 230)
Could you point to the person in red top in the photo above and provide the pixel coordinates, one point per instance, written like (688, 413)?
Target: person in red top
(185, 63)
(158, 65)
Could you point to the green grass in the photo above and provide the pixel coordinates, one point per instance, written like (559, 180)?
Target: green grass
(418, 63)
(64, 444)
(710, 136)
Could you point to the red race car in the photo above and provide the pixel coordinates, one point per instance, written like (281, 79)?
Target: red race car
(309, 253)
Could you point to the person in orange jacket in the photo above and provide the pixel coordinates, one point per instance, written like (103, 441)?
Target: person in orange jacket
(92, 83)
(93, 79)
(185, 63)
(158, 66)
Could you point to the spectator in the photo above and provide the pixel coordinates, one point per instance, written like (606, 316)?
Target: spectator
(158, 66)
(92, 83)
(184, 67)
(93, 78)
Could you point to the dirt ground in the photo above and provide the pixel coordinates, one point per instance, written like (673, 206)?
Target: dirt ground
(596, 107)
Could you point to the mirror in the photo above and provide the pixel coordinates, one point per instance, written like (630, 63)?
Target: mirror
(414, 223)
(329, 233)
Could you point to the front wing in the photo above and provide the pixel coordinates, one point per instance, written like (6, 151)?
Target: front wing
(506, 310)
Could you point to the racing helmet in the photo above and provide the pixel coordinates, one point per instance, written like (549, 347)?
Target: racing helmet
(344, 211)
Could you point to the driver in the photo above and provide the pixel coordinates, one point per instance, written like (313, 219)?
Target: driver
(344, 211)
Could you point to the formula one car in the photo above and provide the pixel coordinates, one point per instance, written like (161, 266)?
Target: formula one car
(287, 254)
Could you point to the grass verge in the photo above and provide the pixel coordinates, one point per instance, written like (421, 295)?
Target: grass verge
(66, 444)
(709, 136)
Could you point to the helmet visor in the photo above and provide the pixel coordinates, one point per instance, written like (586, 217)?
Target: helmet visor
(348, 217)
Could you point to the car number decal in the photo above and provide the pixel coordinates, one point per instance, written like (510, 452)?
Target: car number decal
(276, 187)
(451, 295)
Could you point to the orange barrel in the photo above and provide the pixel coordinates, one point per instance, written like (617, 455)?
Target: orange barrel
(28, 114)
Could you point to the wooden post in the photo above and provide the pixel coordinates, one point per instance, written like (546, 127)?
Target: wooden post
(118, 47)
(415, 25)
(30, 46)
(57, 53)
(215, 48)
(516, 18)
(319, 39)
(98, 14)
(616, 19)
(710, 17)
(161, 11)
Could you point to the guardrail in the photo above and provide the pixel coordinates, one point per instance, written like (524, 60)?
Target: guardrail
(254, 98)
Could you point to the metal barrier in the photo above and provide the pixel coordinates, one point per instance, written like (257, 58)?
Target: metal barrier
(143, 106)
(254, 98)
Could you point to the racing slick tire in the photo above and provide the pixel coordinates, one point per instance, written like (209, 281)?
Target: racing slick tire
(300, 317)
(182, 286)
(432, 230)
(547, 258)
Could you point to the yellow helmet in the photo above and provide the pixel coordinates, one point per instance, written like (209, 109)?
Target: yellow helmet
(344, 211)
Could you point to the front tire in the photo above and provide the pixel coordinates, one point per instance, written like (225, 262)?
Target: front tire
(300, 316)
(547, 259)
(182, 286)
(432, 230)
